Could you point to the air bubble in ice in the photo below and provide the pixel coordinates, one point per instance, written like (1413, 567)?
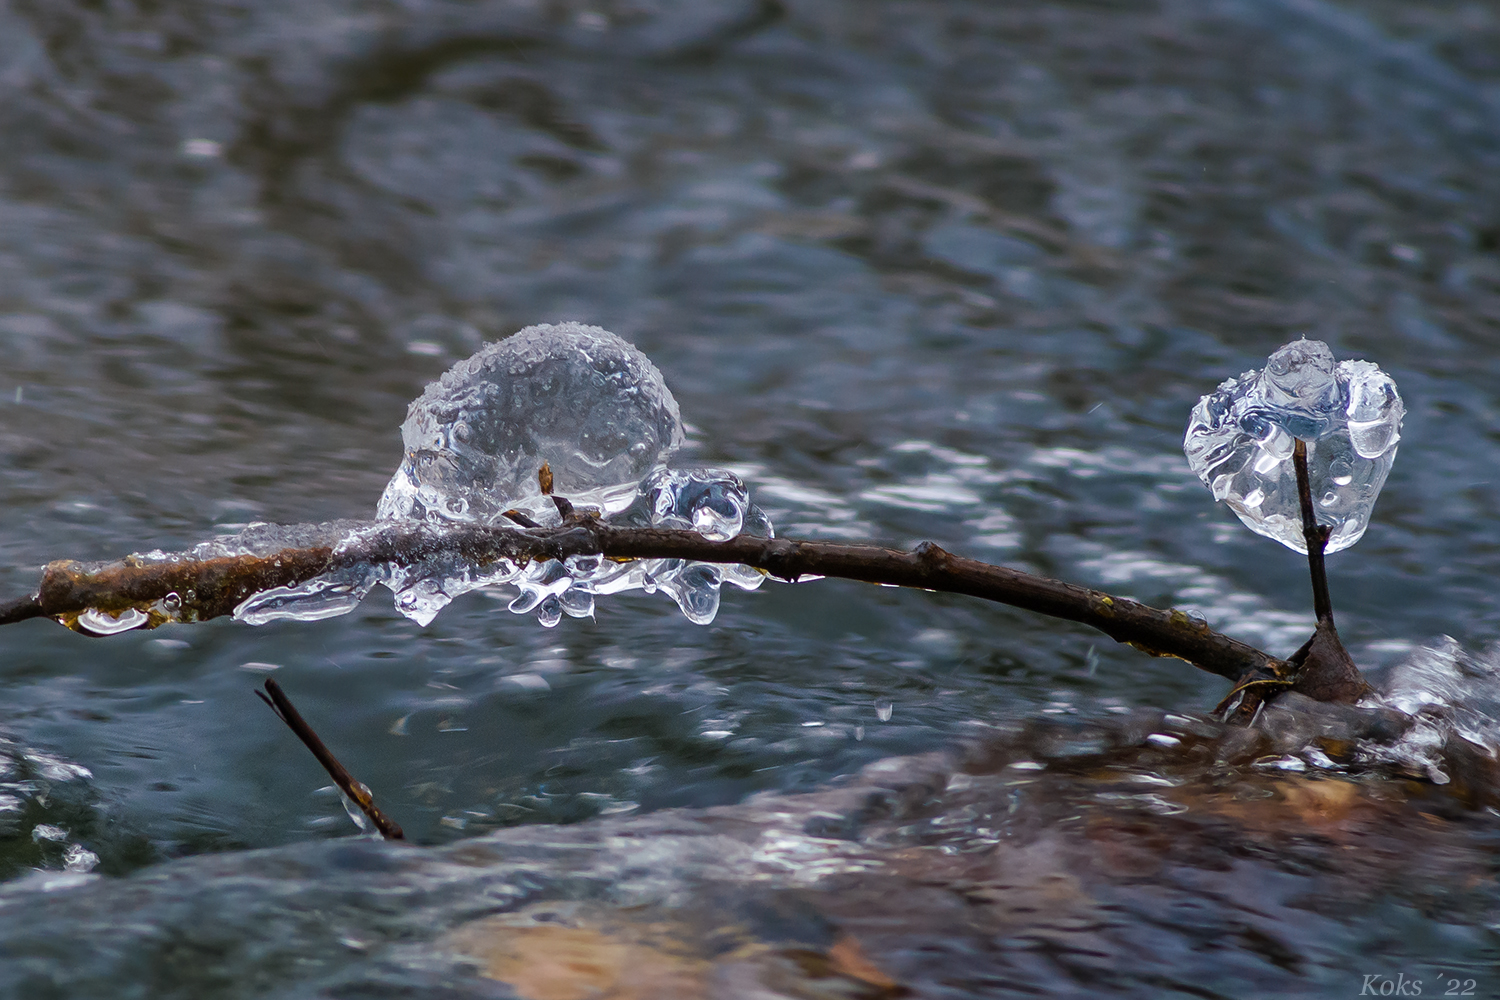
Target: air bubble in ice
(1240, 440)
(579, 398)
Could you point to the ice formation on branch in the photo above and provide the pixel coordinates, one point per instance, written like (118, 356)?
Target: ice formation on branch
(578, 398)
(1241, 436)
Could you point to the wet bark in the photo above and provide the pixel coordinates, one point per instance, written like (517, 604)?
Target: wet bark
(188, 589)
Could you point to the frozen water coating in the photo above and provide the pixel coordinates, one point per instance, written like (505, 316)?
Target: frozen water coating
(576, 397)
(713, 502)
(1240, 439)
(599, 414)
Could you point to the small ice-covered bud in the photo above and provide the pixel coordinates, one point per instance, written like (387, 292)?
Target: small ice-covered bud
(576, 397)
(1241, 437)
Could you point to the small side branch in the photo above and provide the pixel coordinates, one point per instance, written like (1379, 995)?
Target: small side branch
(356, 790)
(1323, 667)
(1315, 534)
(20, 610)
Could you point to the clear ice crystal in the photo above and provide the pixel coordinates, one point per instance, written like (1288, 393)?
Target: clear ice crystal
(326, 596)
(711, 502)
(598, 413)
(576, 397)
(1240, 440)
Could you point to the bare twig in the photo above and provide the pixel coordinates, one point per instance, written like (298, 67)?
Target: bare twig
(1315, 534)
(21, 609)
(1324, 668)
(207, 588)
(356, 790)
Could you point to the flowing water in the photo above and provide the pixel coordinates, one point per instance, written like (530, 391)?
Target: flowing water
(946, 270)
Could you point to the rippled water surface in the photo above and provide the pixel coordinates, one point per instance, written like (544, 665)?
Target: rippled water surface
(944, 270)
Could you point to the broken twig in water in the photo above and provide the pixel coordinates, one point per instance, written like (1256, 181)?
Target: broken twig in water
(356, 791)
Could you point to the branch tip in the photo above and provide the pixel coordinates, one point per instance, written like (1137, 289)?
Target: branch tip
(357, 791)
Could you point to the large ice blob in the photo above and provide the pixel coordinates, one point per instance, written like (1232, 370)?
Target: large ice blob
(1240, 439)
(577, 397)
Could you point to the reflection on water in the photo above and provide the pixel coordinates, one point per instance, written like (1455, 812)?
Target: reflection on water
(954, 270)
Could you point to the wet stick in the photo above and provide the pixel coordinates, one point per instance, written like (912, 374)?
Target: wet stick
(218, 586)
(1316, 535)
(356, 790)
(608, 425)
(1322, 667)
(20, 609)
(1325, 670)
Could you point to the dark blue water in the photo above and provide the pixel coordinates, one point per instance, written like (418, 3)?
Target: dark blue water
(950, 271)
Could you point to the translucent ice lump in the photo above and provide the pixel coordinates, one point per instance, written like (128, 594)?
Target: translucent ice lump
(577, 397)
(1240, 439)
(598, 413)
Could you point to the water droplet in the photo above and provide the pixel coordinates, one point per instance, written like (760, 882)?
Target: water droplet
(355, 813)
(326, 596)
(96, 622)
(578, 603)
(712, 502)
(550, 611)
(525, 601)
(696, 589)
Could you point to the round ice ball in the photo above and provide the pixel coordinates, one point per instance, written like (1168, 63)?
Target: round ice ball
(576, 397)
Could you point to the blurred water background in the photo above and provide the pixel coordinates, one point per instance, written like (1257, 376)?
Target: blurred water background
(936, 270)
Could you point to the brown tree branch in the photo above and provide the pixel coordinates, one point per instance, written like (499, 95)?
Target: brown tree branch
(1322, 668)
(357, 791)
(1325, 670)
(21, 609)
(1313, 533)
(188, 589)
